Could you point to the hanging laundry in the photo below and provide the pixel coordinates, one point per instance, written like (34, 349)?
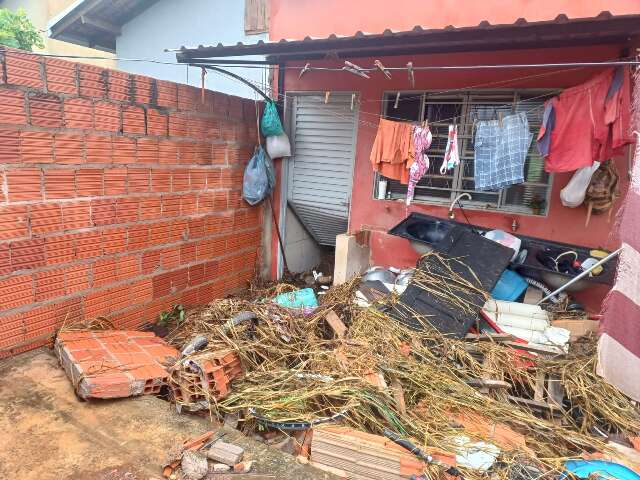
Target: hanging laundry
(587, 123)
(500, 150)
(422, 139)
(393, 152)
(451, 155)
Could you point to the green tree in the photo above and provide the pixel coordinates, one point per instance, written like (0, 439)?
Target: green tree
(16, 30)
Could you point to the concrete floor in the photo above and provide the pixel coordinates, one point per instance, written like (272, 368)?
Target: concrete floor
(47, 433)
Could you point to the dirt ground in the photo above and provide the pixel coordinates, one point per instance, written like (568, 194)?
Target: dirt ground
(47, 433)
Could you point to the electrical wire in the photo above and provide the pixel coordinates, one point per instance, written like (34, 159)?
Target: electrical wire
(264, 84)
(605, 63)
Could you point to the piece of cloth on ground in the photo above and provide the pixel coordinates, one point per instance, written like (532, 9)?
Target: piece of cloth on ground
(500, 151)
(393, 152)
(587, 123)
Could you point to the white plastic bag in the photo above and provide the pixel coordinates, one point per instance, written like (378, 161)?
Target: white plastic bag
(573, 194)
(278, 146)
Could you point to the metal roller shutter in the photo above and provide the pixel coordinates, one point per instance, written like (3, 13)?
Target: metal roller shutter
(322, 163)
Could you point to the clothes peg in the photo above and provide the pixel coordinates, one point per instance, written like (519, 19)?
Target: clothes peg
(355, 69)
(326, 97)
(383, 69)
(412, 79)
(353, 100)
(395, 105)
(306, 68)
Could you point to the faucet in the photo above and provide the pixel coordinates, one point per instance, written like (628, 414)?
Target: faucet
(457, 200)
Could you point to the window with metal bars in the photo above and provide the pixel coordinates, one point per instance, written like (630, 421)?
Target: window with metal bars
(464, 108)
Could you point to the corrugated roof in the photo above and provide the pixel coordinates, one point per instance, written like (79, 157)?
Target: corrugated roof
(603, 28)
(95, 23)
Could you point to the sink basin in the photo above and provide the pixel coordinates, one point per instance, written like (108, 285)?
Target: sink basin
(429, 231)
(423, 231)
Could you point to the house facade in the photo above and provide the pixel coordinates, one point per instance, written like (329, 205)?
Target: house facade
(329, 185)
(40, 12)
(143, 29)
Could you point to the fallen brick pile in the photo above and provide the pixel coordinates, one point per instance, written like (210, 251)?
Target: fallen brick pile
(113, 364)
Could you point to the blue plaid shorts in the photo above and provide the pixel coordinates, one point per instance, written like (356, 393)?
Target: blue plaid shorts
(500, 152)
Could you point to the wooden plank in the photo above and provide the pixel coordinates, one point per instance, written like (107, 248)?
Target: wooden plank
(555, 390)
(538, 390)
(536, 405)
(338, 327)
(398, 395)
(488, 383)
(541, 349)
(488, 337)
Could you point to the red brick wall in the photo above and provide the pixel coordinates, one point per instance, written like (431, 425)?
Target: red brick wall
(120, 197)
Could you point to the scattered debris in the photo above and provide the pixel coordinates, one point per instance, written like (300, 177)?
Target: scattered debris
(194, 465)
(176, 453)
(528, 404)
(220, 468)
(460, 393)
(243, 467)
(227, 453)
(336, 324)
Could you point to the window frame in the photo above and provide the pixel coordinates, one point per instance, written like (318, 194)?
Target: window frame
(466, 101)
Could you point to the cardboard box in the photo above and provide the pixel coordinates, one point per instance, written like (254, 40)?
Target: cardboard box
(578, 328)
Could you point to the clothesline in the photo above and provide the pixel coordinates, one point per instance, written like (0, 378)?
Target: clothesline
(349, 67)
(374, 126)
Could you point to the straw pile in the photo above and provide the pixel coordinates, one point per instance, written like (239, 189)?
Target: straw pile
(295, 370)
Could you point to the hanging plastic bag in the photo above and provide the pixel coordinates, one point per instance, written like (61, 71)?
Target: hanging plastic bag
(259, 178)
(573, 194)
(270, 123)
(278, 146)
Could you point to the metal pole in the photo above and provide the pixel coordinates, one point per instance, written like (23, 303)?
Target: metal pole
(581, 276)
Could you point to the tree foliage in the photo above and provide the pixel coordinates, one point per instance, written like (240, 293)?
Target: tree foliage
(16, 30)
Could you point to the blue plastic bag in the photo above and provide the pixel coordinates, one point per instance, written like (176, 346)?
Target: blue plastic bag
(270, 123)
(297, 299)
(259, 178)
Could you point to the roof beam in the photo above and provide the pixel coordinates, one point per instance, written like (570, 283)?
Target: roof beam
(583, 31)
(103, 25)
(70, 19)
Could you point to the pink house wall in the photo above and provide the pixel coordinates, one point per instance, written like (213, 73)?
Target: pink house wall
(295, 19)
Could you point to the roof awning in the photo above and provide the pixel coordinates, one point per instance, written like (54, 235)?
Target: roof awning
(562, 31)
(95, 23)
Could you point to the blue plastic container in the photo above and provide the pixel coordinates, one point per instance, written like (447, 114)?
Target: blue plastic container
(509, 287)
(598, 469)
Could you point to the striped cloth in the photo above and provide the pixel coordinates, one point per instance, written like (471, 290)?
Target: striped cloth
(619, 343)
